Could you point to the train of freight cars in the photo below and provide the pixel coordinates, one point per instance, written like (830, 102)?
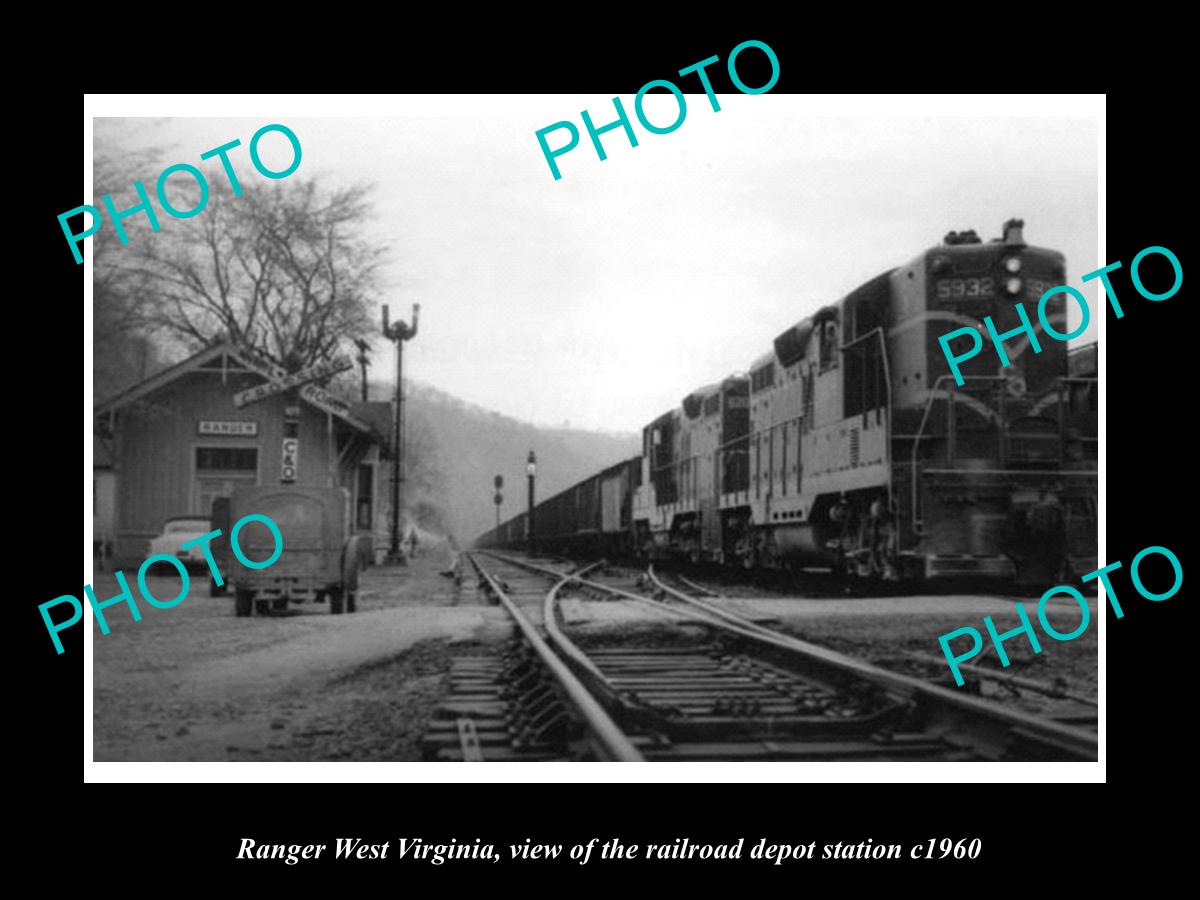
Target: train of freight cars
(848, 446)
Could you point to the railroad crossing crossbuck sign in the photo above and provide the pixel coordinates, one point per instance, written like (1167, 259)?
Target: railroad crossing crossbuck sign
(279, 384)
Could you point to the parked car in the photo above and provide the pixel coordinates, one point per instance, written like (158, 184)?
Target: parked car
(177, 531)
(320, 559)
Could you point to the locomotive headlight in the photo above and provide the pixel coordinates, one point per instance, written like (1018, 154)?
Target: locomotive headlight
(1013, 285)
(1013, 265)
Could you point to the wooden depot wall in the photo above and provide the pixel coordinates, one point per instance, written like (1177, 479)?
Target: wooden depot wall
(155, 445)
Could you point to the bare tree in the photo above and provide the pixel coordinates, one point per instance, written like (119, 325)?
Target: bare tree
(124, 353)
(287, 268)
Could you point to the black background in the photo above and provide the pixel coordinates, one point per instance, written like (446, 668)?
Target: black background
(190, 833)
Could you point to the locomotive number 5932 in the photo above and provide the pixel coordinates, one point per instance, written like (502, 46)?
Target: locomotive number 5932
(957, 288)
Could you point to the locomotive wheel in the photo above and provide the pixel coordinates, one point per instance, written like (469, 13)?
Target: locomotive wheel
(882, 548)
(243, 602)
(884, 562)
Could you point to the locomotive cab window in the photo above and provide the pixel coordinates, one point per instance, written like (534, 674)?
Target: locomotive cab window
(762, 378)
(829, 345)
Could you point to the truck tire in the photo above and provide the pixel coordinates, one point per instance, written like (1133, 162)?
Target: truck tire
(262, 607)
(351, 601)
(243, 602)
(335, 601)
(214, 590)
(279, 605)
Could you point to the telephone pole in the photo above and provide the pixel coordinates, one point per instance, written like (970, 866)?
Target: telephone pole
(399, 332)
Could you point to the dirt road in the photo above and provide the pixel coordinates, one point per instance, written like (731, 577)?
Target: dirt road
(196, 683)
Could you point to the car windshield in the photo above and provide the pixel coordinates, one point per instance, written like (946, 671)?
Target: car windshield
(178, 526)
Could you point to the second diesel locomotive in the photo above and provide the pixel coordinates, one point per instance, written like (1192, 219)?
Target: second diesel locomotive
(848, 445)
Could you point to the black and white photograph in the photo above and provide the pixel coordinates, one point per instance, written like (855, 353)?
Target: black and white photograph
(457, 432)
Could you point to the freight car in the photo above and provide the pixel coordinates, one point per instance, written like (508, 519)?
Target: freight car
(593, 516)
(849, 446)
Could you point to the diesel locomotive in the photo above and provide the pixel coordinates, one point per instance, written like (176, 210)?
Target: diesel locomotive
(848, 446)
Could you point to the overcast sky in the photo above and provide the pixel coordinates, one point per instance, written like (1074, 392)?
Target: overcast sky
(605, 297)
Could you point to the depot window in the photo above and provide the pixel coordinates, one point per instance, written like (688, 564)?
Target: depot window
(227, 459)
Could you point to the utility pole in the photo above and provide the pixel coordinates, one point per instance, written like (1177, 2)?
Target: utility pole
(399, 332)
(363, 362)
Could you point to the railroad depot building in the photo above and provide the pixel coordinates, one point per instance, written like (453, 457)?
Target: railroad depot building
(177, 441)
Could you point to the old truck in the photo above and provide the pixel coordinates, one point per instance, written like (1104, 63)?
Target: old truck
(320, 559)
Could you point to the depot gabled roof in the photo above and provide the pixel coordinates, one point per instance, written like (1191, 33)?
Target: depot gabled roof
(228, 357)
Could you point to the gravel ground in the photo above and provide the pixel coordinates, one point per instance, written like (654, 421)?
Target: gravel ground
(196, 683)
(1071, 664)
(376, 713)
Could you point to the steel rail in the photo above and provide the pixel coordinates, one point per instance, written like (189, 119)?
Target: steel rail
(560, 641)
(979, 671)
(1079, 741)
(982, 715)
(698, 588)
(607, 733)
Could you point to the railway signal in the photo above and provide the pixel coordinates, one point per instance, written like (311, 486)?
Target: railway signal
(531, 472)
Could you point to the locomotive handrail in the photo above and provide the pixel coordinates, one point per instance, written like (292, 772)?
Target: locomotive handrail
(761, 431)
(678, 462)
(918, 524)
(934, 395)
(887, 382)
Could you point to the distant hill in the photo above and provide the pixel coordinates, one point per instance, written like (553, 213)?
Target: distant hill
(456, 448)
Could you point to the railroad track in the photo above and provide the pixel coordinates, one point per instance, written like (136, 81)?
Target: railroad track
(1078, 710)
(739, 691)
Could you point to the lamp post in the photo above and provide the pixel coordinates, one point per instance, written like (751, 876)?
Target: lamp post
(399, 332)
(531, 471)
